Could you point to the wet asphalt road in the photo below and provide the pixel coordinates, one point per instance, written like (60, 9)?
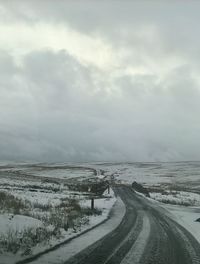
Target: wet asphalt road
(146, 235)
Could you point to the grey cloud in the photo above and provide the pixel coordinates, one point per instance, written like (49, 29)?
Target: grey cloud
(53, 108)
(68, 124)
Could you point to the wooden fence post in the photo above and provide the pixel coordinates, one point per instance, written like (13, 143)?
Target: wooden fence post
(92, 203)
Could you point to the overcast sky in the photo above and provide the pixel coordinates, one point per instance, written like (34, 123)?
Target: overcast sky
(99, 80)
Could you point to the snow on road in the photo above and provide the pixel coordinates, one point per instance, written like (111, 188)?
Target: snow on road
(138, 247)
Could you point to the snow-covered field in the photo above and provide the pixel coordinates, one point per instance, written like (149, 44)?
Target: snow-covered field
(39, 207)
(43, 201)
(155, 173)
(63, 253)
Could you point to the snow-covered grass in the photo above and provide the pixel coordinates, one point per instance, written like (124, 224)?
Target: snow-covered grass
(13, 223)
(90, 219)
(66, 173)
(43, 192)
(177, 197)
(39, 196)
(65, 252)
(20, 233)
(57, 172)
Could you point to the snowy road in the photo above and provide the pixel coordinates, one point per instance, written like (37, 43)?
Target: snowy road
(146, 235)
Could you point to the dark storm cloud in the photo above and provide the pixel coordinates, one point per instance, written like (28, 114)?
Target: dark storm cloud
(138, 101)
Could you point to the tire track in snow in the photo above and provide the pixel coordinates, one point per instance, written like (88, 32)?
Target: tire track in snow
(131, 238)
(135, 253)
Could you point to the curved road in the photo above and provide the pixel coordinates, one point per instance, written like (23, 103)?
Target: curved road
(146, 235)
